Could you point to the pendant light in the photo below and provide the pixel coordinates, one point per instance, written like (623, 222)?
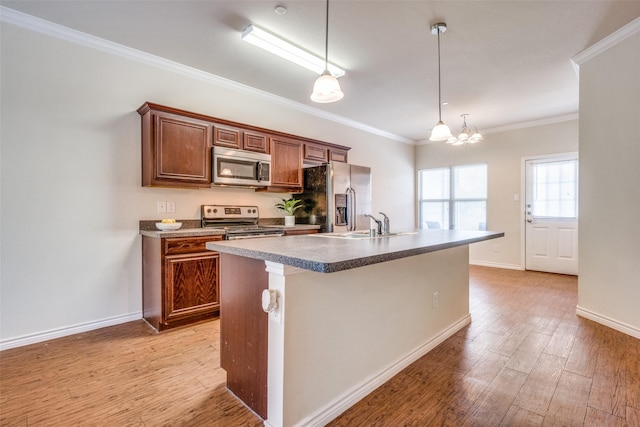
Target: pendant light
(441, 131)
(326, 88)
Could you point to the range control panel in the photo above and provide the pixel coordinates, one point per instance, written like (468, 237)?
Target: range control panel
(229, 212)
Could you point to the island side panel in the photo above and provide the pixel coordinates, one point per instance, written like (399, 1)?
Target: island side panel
(343, 334)
(244, 329)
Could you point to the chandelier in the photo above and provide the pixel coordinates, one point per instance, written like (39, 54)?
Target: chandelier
(466, 135)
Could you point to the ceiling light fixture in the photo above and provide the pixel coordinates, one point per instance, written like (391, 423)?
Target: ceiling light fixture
(441, 131)
(286, 50)
(466, 135)
(326, 88)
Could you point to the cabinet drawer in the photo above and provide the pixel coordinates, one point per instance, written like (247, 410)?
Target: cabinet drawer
(186, 245)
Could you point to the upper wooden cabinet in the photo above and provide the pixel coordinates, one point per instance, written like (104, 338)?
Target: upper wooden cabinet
(240, 139)
(226, 136)
(255, 141)
(315, 153)
(286, 163)
(175, 150)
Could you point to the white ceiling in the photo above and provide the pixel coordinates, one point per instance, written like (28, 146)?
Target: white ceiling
(503, 62)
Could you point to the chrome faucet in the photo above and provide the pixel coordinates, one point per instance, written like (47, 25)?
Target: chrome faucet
(379, 232)
(386, 228)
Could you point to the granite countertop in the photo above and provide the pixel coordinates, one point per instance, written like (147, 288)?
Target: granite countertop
(183, 232)
(316, 252)
(191, 228)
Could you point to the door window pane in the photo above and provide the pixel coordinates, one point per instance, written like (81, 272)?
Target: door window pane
(555, 189)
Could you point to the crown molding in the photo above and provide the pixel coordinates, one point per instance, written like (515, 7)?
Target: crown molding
(33, 23)
(606, 43)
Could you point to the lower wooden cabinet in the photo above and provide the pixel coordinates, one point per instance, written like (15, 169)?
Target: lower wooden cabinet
(180, 281)
(299, 232)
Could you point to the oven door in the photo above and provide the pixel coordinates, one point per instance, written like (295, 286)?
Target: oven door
(235, 167)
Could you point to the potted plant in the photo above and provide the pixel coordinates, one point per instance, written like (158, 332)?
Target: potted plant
(289, 206)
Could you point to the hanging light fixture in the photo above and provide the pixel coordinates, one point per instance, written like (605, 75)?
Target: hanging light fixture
(441, 131)
(466, 135)
(326, 88)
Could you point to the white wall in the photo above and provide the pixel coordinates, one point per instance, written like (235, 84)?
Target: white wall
(503, 152)
(71, 197)
(609, 282)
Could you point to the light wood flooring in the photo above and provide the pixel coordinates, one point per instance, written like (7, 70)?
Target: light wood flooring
(526, 360)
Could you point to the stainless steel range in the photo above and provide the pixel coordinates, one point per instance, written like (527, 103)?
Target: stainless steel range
(238, 222)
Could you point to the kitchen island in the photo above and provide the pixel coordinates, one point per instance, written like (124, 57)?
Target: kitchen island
(352, 311)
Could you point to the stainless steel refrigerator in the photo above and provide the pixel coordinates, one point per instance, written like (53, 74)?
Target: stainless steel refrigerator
(337, 196)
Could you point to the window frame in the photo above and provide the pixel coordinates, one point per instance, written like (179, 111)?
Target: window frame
(452, 200)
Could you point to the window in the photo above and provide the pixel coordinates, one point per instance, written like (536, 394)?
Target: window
(554, 189)
(453, 198)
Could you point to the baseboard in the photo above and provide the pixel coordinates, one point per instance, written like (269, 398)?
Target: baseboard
(496, 265)
(67, 330)
(608, 321)
(343, 402)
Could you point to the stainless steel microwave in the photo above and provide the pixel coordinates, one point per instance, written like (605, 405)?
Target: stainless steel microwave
(239, 167)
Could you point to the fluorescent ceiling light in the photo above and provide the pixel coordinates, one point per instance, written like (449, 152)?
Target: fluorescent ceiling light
(286, 50)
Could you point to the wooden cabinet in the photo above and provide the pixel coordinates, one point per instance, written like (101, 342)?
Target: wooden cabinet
(299, 232)
(244, 330)
(240, 139)
(175, 150)
(316, 154)
(286, 164)
(338, 155)
(226, 136)
(255, 141)
(180, 281)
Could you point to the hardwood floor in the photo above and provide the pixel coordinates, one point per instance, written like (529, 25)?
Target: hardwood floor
(526, 360)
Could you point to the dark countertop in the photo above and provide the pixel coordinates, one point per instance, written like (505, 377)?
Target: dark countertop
(150, 230)
(329, 254)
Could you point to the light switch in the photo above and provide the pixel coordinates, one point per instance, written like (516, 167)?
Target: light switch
(516, 197)
(161, 206)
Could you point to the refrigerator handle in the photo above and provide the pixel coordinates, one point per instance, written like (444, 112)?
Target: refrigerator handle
(351, 208)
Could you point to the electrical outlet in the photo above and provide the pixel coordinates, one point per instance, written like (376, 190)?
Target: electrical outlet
(171, 207)
(162, 206)
(435, 301)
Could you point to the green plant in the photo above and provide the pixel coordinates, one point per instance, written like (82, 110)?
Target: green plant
(289, 206)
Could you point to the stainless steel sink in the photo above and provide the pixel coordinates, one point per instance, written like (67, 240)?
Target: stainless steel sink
(362, 235)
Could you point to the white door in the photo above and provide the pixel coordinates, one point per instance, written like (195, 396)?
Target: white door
(551, 203)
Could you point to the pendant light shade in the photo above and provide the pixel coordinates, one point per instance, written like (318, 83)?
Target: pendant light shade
(326, 88)
(441, 131)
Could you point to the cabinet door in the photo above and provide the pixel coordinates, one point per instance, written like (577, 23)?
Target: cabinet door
(226, 136)
(299, 232)
(315, 153)
(191, 286)
(286, 163)
(255, 141)
(338, 155)
(181, 151)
